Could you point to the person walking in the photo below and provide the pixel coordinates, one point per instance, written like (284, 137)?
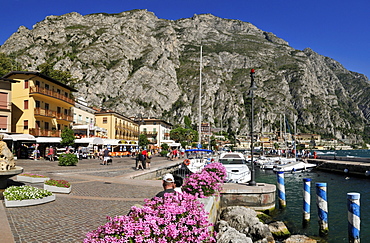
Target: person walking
(51, 153)
(106, 156)
(148, 159)
(142, 158)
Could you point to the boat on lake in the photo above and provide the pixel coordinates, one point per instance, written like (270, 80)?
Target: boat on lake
(294, 166)
(236, 167)
(197, 159)
(269, 163)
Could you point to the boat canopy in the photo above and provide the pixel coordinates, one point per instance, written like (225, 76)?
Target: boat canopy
(198, 150)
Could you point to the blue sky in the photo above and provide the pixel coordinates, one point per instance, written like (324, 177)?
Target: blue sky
(337, 29)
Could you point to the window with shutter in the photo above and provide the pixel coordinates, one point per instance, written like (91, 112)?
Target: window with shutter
(3, 100)
(3, 122)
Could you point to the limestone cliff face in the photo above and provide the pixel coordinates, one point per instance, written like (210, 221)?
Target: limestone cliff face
(133, 62)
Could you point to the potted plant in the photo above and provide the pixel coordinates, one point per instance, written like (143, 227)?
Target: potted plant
(60, 186)
(32, 178)
(20, 196)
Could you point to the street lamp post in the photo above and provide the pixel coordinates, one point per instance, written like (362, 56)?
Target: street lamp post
(251, 89)
(139, 119)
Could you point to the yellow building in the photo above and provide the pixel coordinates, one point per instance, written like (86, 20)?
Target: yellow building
(117, 125)
(5, 104)
(41, 106)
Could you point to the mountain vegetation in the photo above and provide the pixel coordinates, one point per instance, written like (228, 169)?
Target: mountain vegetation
(133, 62)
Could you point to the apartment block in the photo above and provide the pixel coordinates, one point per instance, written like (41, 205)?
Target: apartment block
(41, 105)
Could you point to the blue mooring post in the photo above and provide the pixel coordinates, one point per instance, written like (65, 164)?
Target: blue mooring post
(281, 189)
(322, 208)
(353, 205)
(306, 200)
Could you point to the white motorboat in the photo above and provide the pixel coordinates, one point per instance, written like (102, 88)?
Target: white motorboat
(197, 159)
(269, 163)
(293, 166)
(236, 167)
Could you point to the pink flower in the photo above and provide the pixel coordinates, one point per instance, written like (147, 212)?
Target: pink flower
(178, 217)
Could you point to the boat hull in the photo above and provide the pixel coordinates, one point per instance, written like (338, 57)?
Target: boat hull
(295, 166)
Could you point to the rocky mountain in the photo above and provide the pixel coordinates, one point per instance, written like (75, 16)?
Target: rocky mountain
(134, 62)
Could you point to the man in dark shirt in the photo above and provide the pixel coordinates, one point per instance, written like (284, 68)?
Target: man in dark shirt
(106, 156)
(168, 185)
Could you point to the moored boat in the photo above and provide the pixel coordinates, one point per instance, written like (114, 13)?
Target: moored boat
(197, 159)
(236, 167)
(294, 166)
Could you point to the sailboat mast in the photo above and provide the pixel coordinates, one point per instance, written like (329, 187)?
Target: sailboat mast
(200, 99)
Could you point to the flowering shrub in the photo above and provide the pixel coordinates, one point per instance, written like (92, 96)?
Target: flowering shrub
(25, 192)
(206, 183)
(174, 218)
(58, 183)
(32, 175)
(217, 170)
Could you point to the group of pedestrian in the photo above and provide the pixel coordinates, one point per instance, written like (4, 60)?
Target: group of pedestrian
(143, 159)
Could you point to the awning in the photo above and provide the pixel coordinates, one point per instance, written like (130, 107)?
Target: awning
(48, 139)
(6, 136)
(23, 137)
(111, 142)
(174, 144)
(167, 141)
(90, 141)
(88, 127)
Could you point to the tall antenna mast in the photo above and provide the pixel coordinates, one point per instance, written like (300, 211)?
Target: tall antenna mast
(200, 99)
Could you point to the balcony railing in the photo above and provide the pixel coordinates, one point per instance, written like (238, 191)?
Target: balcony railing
(150, 134)
(44, 132)
(49, 113)
(51, 93)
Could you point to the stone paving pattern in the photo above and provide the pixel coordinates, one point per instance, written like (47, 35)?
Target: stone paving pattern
(98, 191)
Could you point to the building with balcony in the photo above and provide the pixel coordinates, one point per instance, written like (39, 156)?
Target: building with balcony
(118, 126)
(41, 105)
(84, 121)
(156, 130)
(5, 104)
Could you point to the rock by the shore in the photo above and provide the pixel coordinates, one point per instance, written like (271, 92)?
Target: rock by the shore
(245, 221)
(299, 239)
(240, 224)
(227, 234)
(279, 229)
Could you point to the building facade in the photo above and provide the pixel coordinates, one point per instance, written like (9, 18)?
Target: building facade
(5, 104)
(41, 106)
(156, 130)
(118, 126)
(84, 121)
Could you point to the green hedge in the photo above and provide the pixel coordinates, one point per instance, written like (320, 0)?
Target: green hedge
(68, 160)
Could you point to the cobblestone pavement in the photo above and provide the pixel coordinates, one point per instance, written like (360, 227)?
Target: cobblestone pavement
(98, 191)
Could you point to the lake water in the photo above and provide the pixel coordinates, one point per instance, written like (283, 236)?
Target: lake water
(337, 188)
(360, 153)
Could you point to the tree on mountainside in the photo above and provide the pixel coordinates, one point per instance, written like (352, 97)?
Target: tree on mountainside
(61, 76)
(6, 64)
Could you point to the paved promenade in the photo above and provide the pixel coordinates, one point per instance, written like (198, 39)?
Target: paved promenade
(97, 191)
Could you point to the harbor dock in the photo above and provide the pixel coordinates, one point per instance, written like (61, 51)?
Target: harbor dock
(344, 165)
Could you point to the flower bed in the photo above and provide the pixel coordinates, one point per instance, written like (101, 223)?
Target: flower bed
(32, 178)
(178, 217)
(174, 218)
(20, 196)
(206, 183)
(60, 186)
